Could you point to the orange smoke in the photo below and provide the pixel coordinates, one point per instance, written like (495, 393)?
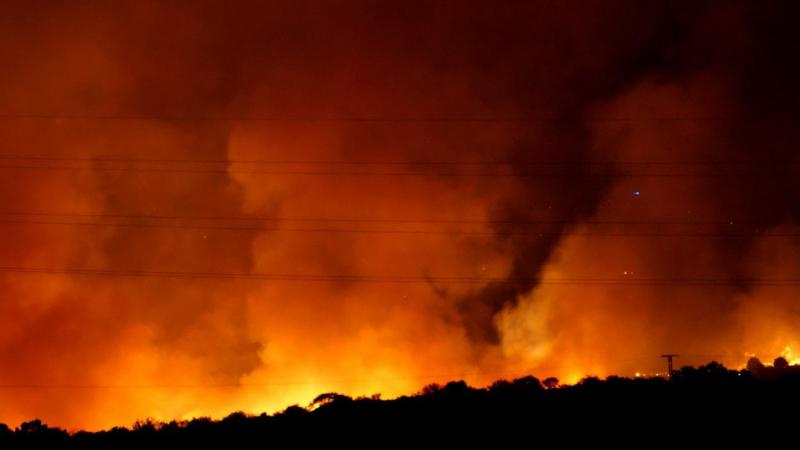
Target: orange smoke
(185, 276)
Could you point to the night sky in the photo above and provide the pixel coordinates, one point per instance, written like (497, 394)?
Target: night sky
(212, 206)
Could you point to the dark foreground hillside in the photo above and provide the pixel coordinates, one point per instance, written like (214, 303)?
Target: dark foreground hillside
(709, 404)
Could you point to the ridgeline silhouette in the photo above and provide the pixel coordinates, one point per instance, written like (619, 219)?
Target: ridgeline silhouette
(709, 402)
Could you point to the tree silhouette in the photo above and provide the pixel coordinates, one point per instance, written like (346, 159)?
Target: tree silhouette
(780, 363)
(550, 382)
(457, 414)
(754, 365)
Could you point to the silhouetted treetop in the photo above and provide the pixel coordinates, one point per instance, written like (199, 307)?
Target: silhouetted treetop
(748, 399)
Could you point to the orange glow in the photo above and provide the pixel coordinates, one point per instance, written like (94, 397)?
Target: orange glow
(473, 252)
(791, 358)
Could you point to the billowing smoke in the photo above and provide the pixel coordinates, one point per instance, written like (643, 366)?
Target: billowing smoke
(611, 154)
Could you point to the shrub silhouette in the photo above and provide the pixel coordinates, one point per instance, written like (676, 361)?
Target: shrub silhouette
(695, 399)
(550, 382)
(754, 365)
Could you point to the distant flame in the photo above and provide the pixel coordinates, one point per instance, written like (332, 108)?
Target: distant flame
(790, 357)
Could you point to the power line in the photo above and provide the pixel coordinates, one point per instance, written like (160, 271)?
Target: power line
(374, 219)
(396, 231)
(388, 162)
(382, 119)
(359, 278)
(576, 174)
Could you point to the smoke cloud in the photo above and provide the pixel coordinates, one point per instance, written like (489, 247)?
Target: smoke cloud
(668, 130)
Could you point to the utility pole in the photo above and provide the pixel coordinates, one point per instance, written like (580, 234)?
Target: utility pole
(669, 357)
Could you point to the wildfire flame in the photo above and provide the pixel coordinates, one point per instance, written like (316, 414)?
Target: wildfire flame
(790, 357)
(267, 203)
